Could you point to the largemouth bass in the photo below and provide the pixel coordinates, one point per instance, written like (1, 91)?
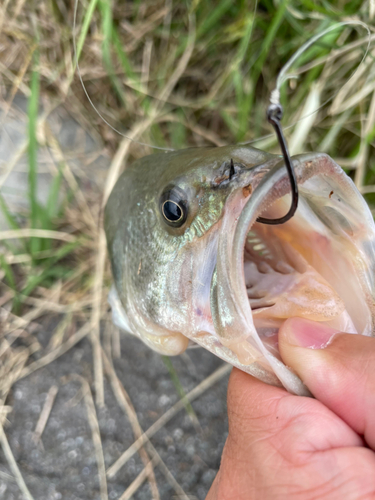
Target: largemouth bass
(191, 264)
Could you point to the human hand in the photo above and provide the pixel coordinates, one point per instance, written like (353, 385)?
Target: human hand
(282, 446)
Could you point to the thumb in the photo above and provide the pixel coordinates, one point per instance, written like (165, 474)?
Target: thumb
(338, 368)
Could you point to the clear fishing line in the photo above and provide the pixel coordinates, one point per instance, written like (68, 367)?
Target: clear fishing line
(154, 97)
(283, 76)
(88, 96)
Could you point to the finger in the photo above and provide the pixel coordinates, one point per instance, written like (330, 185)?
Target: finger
(275, 441)
(258, 412)
(338, 368)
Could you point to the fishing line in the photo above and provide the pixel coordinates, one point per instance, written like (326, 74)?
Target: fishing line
(275, 114)
(88, 96)
(282, 76)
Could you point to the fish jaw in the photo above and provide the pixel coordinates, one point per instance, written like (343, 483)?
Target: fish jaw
(319, 265)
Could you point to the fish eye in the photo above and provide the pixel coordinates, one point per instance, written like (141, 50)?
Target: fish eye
(172, 211)
(173, 206)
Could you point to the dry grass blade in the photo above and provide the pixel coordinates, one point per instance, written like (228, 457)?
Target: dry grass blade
(334, 54)
(55, 307)
(23, 321)
(65, 347)
(69, 177)
(302, 130)
(339, 102)
(116, 343)
(93, 421)
(8, 74)
(95, 432)
(367, 189)
(36, 233)
(18, 82)
(183, 62)
(126, 405)
(96, 315)
(120, 157)
(362, 157)
(140, 479)
(190, 396)
(10, 371)
(181, 495)
(208, 135)
(355, 99)
(13, 162)
(45, 413)
(7, 342)
(13, 466)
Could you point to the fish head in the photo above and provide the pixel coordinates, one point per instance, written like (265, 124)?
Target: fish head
(163, 268)
(192, 265)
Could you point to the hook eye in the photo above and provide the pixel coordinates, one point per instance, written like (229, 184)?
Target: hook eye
(274, 115)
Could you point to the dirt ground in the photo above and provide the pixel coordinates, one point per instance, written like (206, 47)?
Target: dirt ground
(62, 464)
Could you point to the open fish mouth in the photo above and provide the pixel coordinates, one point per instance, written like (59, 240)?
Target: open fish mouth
(218, 278)
(318, 265)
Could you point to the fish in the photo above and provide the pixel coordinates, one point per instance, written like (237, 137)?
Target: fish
(193, 267)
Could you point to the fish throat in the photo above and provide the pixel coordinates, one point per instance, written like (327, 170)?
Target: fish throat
(281, 283)
(311, 267)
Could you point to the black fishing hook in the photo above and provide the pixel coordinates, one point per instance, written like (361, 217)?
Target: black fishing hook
(274, 115)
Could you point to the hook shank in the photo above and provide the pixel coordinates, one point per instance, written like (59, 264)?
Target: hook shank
(274, 115)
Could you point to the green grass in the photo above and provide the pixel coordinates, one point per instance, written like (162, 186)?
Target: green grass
(85, 27)
(45, 257)
(35, 209)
